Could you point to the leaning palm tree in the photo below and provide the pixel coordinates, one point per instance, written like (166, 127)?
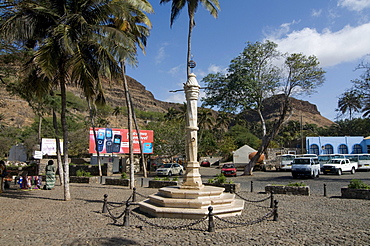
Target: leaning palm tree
(78, 42)
(212, 6)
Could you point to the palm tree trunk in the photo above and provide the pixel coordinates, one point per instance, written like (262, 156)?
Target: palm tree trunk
(191, 25)
(95, 138)
(59, 152)
(129, 108)
(67, 194)
(139, 138)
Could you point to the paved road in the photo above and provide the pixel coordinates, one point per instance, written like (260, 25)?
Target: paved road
(261, 179)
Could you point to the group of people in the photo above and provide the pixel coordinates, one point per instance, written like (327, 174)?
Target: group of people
(49, 176)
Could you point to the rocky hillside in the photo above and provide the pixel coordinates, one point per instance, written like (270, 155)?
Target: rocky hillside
(17, 113)
(301, 110)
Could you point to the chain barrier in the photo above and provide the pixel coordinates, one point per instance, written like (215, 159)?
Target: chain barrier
(113, 217)
(109, 207)
(187, 226)
(256, 201)
(266, 216)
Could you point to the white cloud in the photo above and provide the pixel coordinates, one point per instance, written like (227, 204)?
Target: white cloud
(316, 12)
(354, 5)
(160, 54)
(331, 48)
(174, 70)
(282, 31)
(178, 97)
(215, 69)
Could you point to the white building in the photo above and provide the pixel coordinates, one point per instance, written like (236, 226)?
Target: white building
(241, 155)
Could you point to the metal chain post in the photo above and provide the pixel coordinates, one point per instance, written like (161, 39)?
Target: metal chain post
(134, 194)
(272, 199)
(211, 223)
(324, 189)
(126, 218)
(276, 216)
(251, 186)
(105, 204)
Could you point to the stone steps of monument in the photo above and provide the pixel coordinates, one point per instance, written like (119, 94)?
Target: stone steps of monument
(200, 202)
(235, 208)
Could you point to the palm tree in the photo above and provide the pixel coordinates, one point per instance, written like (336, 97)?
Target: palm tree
(78, 42)
(350, 101)
(212, 6)
(205, 119)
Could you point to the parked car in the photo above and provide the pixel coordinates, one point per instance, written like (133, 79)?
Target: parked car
(306, 167)
(338, 166)
(205, 163)
(228, 169)
(170, 169)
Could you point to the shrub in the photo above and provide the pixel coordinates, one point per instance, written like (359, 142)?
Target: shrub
(220, 178)
(296, 184)
(83, 173)
(123, 176)
(358, 184)
(175, 179)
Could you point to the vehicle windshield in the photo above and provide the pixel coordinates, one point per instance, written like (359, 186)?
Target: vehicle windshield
(287, 158)
(364, 157)
(335, 161)
(324, 158)
(228, 166)
(166, 165)
(301, 161)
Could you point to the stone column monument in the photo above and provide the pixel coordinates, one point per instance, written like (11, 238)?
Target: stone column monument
(192, 179)
(191, 199)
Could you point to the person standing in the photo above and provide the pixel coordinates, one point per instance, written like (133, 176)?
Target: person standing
(3, 174)
(50, 175)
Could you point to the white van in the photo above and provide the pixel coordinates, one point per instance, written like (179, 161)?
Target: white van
(286, 162)
(306, 167)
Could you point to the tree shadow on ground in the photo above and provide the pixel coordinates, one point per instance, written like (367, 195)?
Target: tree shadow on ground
(26, 194)
(102, 241)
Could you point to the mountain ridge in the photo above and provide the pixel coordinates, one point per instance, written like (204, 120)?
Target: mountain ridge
(18, 113)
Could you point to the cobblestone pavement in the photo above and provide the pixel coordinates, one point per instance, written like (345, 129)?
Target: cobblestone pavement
(41, 217)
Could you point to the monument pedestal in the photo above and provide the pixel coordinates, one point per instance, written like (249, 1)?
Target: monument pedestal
(192, 199)
(175, 202)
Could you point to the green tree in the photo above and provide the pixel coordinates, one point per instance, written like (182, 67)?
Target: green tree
(247, 78)
(212, 6)
(250, 79)
(78, 42)
(362, 86)
(350, 101)
(169, 138)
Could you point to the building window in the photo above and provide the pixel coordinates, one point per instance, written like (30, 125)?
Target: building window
(314, 149)
(357, 149)
(343, 149)
(328, 149)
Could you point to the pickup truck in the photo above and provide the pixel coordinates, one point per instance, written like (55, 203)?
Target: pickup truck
(339, 166)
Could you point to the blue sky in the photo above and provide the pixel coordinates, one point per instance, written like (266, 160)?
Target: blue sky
(336, 31)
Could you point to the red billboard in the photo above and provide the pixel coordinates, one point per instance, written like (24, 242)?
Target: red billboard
(112, 140)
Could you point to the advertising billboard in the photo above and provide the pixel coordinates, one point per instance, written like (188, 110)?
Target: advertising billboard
(49, 146)
(112, 140)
